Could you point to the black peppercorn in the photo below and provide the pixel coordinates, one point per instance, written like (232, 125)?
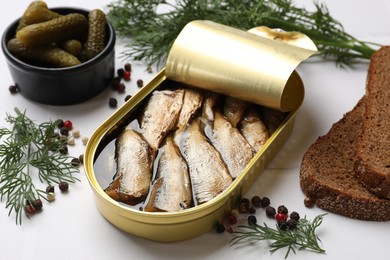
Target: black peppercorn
(13, 89)
(120, 72)
(75, 162)
(127, 67)
(49, 189)
(113, 102)
(294, 215)
(81, 158)
(282, 209)
(115, 83)
(256, 201)
(37, 204)
(220, 228)
(140, 83)
(270, 212)
(265, 202)
(127, 97)
(63, 186)
(121, 88)
(292, 224)
(252, 210)
(64, 131)
(60, 123)
(252, 220)
(283, 225)
(63, 149)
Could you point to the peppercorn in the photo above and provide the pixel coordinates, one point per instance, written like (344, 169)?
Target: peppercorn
(265, 202)
(127, 97)
(256, 201)
(149, 70)
(13, 89)
(121, 88)
(229, 229)
(294, 215)
(84, 139)
(76, 133)
(49, 189)
(127, 67)
(292, 224)
(270, 211)
(115, 83)
(51, 196)
(29, 209)
(140, 83)
(252, 219)
(127, 75)
(283, 225)
(81, 158)
(68, 124)
(64, 131)
(64, 186)
(235, 213)
(75, 162)
(63, 149)
(120, 72)
(282, 209)
(113, 102)
(37, 204)
(280, 217)
(252, 210)
(231, 220)
(308, 202)
(243, 207)
(220, 228)
(71, 141)
(60, 123)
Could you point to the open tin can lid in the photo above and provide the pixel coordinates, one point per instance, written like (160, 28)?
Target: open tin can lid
(254, 65)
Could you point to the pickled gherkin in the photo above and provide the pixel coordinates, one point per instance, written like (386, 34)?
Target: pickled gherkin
(42, 55)
(23, 21)
(73, 47)
(38, 14)
(58, 29)
(96, 34)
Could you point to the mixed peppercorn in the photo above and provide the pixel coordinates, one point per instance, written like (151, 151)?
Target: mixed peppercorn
(281, 214)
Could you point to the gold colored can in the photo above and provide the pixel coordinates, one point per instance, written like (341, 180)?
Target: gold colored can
(253, 66)
(219, 59)
(189, 223)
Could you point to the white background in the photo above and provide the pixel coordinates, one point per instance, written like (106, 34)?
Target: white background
(72, 227)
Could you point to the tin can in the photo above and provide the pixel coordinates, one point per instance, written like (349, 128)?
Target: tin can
(197, 220)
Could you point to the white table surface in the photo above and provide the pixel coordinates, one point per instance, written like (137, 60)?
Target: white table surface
(73, 228)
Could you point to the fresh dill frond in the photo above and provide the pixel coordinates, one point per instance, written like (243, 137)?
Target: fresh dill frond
(28, 149)
(152, 32)
(302, 237)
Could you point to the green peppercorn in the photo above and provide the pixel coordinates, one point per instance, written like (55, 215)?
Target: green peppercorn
(75, 162)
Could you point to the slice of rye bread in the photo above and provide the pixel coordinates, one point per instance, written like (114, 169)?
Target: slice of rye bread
(327, 173)
(372, 166)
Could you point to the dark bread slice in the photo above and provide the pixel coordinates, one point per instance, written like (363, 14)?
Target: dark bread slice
(327, 173)
(372, 166)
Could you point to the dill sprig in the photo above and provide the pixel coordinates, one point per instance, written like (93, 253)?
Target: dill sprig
(28, 148)
(302, 237)
(152, 32)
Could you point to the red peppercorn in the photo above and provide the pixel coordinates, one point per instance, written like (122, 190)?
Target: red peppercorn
(126, 75)
(231, 220)
(30, 209)
(68, 124)
(280, 217)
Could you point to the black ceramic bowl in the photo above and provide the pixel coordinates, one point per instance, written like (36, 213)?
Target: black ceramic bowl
(62, 86)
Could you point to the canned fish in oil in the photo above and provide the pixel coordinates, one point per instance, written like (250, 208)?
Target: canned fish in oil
(100, 166)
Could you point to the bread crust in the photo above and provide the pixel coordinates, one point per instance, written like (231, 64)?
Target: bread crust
(327, 173)
(372, 166)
